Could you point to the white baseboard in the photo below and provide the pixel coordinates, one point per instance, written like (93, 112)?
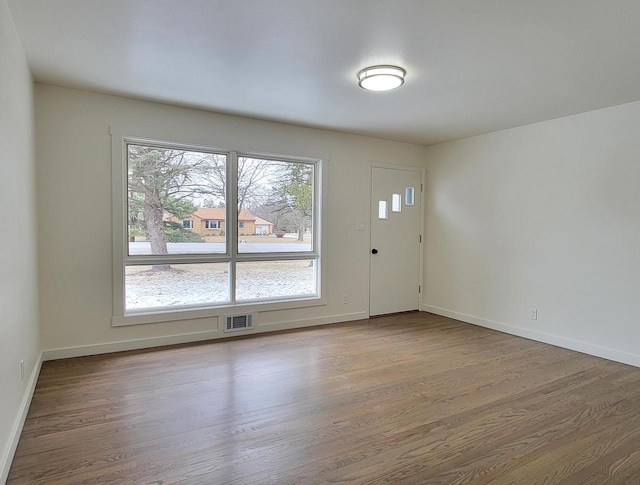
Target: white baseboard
(105, 348)
(122, 345)
(311, 322)
(14, 437)
(578, 346)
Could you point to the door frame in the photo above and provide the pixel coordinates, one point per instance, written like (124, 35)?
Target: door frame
(411, 168)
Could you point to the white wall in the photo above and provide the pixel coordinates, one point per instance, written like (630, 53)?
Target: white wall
(543, 216)
(74, 187)
(18, 276)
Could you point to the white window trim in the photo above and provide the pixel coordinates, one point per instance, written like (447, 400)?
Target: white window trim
(119, 141)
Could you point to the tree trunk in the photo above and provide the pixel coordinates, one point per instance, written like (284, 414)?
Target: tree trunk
(301, 227)
(155, 231)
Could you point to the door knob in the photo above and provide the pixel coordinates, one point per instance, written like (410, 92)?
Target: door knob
(374, 251)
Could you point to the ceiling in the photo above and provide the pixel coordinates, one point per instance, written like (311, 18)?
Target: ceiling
(472, 66)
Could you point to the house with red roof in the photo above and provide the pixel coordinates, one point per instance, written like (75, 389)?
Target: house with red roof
(211, 221)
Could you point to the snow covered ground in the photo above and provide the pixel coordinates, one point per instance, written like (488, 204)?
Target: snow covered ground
(198, 284)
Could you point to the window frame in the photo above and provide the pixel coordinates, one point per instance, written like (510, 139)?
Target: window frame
(190, 221)
(207, 224)
(122, 258)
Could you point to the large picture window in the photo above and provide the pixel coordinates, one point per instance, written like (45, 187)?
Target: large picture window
(204, 229)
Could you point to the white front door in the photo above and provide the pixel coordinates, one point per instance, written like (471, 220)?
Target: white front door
(396, 201)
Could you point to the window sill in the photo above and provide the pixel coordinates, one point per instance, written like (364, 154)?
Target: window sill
(168, 315)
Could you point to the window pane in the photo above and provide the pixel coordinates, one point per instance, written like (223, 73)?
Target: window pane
(275, 279)
(149, 287)
(167, 187)
(275, 205)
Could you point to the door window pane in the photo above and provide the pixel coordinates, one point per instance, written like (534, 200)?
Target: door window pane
(396, 203)
(409, 196)
(382, 209)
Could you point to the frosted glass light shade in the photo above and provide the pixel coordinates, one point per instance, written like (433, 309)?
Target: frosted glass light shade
(381, 78)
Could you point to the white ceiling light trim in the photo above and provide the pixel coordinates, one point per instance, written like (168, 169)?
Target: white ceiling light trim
(381, 78)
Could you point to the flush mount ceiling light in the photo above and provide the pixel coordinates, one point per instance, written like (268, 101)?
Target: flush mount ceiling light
(381, 78)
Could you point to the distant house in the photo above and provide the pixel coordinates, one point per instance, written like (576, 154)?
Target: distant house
(211, 221)
(263, 226)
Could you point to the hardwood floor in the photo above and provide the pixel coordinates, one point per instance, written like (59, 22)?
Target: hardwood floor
(413, 398)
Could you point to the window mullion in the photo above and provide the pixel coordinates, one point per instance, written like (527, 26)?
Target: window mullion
(232, 217)
(175, 259)
(275, 256)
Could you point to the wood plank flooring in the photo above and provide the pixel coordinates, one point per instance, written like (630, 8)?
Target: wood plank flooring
(413, 398)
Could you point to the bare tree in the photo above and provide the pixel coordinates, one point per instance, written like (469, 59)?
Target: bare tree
(251, 173)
